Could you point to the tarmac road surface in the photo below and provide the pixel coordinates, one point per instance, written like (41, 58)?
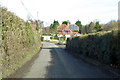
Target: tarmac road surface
(55, 62)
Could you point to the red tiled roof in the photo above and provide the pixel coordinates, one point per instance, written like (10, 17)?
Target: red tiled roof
(68, 29)
(63, 27)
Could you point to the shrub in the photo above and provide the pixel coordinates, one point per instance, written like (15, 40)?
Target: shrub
(57, 38)
(102, 46)
(18, 41)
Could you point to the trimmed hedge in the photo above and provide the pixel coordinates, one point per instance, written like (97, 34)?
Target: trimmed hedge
(19, 42)
(102, 46)
(57, 38)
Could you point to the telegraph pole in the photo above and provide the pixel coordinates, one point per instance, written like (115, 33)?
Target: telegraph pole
(38, 20)
(37, 15)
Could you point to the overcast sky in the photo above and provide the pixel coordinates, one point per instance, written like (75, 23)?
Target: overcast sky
(61, 10)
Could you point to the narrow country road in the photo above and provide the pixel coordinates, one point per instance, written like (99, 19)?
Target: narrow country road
(55, 62)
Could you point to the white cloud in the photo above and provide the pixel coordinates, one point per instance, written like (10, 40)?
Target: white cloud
(73, 10)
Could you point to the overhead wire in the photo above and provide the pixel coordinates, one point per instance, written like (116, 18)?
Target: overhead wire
(29, 14)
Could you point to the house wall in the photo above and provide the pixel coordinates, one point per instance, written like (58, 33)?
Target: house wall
(33, 26)
(66, 33)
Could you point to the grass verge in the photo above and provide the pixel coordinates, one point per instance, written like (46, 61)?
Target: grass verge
(28, 57)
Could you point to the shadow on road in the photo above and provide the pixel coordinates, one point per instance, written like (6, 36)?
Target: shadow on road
(56, 68)
(54, 62)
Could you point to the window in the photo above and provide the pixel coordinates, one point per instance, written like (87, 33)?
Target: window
(63, 31)
(71, 31)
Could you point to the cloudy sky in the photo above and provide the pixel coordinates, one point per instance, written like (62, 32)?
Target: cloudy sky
(61, 10)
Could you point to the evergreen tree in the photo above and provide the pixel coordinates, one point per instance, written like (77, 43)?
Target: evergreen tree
(86, 29)
(91, 27)
(98, 27)
(54, 26)
(51, 28)
(78, 23)
(64, 22)
(37, 27)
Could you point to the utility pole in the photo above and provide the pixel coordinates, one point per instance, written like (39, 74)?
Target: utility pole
(37, 15)
(39, 23)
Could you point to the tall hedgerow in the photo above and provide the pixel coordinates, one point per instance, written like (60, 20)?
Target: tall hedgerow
(103, 46)
(19, 42)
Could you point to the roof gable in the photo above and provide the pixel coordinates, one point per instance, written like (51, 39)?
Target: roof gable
(63, 27)
(74, 27)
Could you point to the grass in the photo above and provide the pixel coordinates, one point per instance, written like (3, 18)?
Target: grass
(46, 40)
(29, 56)
(0, 71)
(19, 42)
(22, 62)
(57, 41)
(0, 61)
(54, 41)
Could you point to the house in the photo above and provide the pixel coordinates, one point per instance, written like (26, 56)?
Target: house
(34, 24)
(63, 29)
(72, 29)
(46, 29)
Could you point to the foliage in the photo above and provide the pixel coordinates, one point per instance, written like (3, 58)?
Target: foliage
(86, 29)
(46, 40)
(78, 23)
(37, 23)
(18, 41)
(102, 46)
(98, 27)
(51, 28)
(65, 22)
(30, 34)
(54, 26)
(112, 25)
(57, 38)
(91, 27)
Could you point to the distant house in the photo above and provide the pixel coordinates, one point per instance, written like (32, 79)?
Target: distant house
(34, 24)
(72, 29)
(46, 29)
(63, 29)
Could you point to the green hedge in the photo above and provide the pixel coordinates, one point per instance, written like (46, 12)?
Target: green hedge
(102, 46)
(57, 38)
(18, 41)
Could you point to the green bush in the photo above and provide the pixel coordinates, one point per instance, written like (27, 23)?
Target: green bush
(102, 46)
(18, 41)
(51, 37)
(46, 40)
(63, 38)
(57, 38)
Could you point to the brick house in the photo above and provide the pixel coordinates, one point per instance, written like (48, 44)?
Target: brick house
(34, 24)
(46, 29)
(72, 29)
